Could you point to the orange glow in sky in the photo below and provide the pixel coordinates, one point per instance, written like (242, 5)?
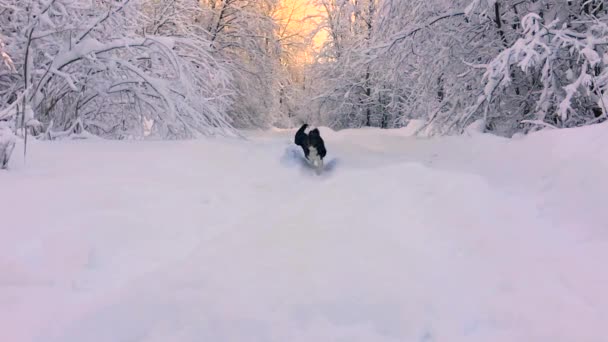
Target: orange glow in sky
(300, 18)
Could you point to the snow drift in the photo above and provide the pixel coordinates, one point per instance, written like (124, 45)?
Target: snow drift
(455, 239)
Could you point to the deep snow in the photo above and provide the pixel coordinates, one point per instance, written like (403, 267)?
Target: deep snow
(472, 238)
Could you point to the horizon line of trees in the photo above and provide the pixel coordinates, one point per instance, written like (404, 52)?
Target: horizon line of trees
(174, 69)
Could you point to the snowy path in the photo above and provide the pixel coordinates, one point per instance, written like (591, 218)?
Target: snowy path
(453, 239)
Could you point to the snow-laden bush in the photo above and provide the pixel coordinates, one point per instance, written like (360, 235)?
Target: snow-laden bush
(569, 70)
(7, 144)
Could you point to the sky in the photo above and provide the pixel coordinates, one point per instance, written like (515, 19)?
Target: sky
(301, 16)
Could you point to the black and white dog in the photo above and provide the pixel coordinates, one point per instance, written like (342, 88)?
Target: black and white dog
(312, 144)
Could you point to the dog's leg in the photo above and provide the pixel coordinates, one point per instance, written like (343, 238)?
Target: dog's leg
(315, 159)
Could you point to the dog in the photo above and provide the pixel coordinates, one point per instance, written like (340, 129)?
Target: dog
(312, 144)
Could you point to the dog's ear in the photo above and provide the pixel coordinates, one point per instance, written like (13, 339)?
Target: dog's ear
(314, 132)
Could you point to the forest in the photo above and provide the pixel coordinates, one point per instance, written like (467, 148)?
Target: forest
(303, 170)
(172, 69)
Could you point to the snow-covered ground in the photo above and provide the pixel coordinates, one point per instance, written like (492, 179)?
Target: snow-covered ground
(473, 238)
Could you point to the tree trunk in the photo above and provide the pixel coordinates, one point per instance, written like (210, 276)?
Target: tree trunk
(498, 21)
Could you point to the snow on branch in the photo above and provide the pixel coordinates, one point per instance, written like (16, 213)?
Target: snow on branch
(553, 50)
(79, 56)
(412, 31)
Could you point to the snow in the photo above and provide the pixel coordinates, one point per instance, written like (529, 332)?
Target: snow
(7, 144)
(477, 127)
(469, 238)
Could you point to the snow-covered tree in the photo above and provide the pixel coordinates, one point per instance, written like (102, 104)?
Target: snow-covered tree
(85, 65)
(554, 73)
(342, 84)
(295, 30)
(516, 65)
(243, 35)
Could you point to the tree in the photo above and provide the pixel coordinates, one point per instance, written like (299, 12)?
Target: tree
(345, 93)
(515, 65)
(557, 64)
(243, 36)
(84, 66)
